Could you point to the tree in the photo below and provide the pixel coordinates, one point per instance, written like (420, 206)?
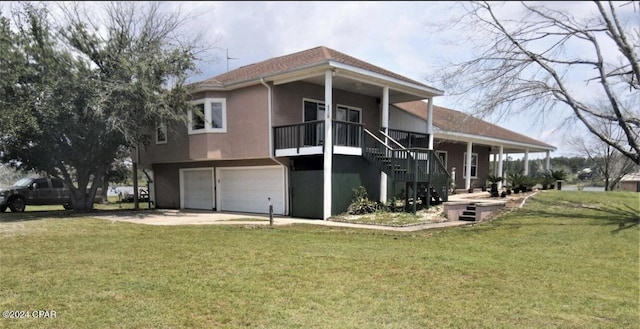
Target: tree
(532, 61)
(604, 159)
(74, 94)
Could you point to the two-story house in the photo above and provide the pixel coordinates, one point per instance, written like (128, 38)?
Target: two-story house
(301, 131)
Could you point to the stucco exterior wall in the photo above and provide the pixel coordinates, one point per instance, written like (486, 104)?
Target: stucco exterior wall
(247, 133)
(402, 120)
(630, 186)
(455, 158)
(175, 149)
(288, 103)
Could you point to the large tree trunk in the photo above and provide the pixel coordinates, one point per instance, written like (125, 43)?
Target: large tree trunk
(105, 189)
(83, 196)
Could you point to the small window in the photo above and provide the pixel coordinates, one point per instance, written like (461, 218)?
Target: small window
(209, 116)
(197, 117)
(216, 115)
(474, 165)
(161, 133)
(442, 155)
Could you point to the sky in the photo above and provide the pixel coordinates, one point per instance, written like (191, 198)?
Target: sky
(398, 36)
(402, 37)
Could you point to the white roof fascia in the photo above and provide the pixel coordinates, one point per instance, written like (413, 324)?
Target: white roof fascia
(382, 77)
(312, 70)
(489, 140)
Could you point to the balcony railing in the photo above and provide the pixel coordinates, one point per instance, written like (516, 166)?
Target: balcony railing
(311, 134)
(410, 139)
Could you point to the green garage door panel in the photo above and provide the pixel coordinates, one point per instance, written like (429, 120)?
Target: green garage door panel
(349, 173)
(306, 193)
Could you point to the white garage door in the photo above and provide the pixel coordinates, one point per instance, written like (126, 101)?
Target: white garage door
(246, 189)
(197, 189)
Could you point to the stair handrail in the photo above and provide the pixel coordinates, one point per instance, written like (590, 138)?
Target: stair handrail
(378, 139)
(393, 140)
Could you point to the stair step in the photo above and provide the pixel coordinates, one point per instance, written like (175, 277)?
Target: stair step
(469, 213)
(467, 218)
(471, 207)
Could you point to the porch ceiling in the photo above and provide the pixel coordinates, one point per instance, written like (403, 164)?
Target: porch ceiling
(359, 85)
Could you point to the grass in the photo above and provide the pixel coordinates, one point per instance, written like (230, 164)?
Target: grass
(113, 204)
(566, 260)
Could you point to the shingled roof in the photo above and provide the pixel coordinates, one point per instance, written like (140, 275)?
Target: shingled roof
(297, 61)
(448, 120)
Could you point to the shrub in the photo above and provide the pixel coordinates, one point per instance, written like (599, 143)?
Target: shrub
(494, 179)
(360, 203)
(558, 175)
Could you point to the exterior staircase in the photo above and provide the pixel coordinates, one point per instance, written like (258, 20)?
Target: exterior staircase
(469, 214)
(419, 168)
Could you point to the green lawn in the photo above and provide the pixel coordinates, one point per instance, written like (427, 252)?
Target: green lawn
(566, 260)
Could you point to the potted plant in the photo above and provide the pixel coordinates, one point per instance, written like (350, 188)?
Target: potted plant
(528, 183)
(559, 176)
(546, 181)
(473, 185)
(515, 181)
(494, 180)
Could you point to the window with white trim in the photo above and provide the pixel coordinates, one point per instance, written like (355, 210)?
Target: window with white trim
(347, 134)
(443, 157)
(161, 133)
(313, 110)
(474, 165)
(208, 116)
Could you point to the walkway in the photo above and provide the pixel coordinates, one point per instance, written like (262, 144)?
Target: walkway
(175, 217)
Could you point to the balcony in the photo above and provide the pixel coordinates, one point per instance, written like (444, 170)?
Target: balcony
(307, 138)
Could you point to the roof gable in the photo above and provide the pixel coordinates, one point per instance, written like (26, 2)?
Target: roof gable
(298, 61)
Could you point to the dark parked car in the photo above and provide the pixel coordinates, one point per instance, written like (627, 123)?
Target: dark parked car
(34, 191)
(143, 196)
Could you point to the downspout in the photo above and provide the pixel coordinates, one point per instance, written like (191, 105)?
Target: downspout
(271, 151)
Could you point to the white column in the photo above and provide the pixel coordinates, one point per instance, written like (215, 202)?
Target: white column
(328, 143)
(506, 157)
(500, 173)
(385, 128)
(547, 164)
(526, 162)
(430, 123)
(467, 169)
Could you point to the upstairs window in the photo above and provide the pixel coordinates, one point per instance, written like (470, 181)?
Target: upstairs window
(208, 116)
(161, 133)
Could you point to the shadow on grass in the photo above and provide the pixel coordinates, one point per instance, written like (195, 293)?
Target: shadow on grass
(623, 216)
(31, 215)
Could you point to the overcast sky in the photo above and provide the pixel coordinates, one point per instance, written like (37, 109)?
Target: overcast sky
(397, 36)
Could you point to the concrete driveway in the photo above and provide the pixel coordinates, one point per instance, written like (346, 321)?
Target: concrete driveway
(176, 217)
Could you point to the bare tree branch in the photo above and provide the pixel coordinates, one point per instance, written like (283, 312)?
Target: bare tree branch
(531, 62)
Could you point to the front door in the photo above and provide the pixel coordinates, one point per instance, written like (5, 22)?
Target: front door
(347, 134)
(314, 132)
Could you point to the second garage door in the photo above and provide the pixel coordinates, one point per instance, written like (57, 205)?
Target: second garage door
(197, 188)
(246, 189)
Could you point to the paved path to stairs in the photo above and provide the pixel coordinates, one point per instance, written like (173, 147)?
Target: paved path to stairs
(175, 217)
